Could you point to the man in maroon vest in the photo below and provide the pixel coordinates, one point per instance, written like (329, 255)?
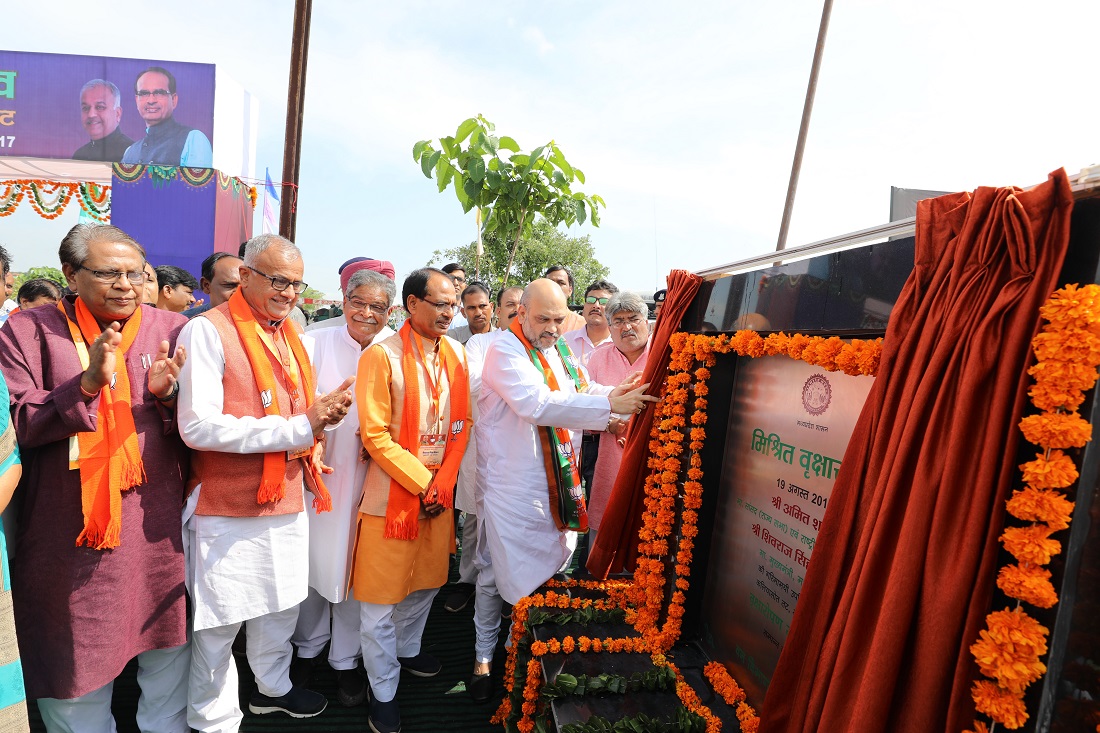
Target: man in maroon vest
(247, 408)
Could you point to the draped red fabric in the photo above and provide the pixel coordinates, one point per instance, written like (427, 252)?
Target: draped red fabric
(616, 547)
(903, 571)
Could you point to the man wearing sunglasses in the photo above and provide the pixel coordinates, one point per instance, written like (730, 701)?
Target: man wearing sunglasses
(583, 341)
(166, 141)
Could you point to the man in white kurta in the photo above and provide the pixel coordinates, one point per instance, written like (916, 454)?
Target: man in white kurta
(329, 615)
(247, 568)
(519, 546)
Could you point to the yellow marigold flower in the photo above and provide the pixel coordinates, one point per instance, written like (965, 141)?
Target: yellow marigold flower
(999, 704)
(1031, 544)
(1041, 505)
(1028, 584)
(1052, 430)
(1056, 471)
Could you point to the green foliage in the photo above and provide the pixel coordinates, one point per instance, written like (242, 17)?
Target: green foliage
(50, 273)
(544, 247)
(311, 293)
(658, 678)
(511, 189)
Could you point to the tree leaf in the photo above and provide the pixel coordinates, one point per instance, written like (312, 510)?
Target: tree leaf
(449, 146)
(579, 174)
(582, 213)
(476, 169)
(507, 143)
(472, 188)
(463, 198)
(561, 162)
(419, 149)
(491, 143)
(444, 172)
(520, 159)
(427, 163)
(534, 156)
(492, 178)
(465, 129)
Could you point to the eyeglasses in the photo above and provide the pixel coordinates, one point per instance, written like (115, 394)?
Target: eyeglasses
(441, 307)
(144, 93)
(594, 299)
(633, 321)
(135, 277)
(362, 305)
(279, 284)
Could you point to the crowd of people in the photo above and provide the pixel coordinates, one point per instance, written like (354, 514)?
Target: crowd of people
(185, 479)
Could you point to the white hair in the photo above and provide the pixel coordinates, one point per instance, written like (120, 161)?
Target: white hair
(625, 303)
(260, 244)
(373, 280)
(104, 83)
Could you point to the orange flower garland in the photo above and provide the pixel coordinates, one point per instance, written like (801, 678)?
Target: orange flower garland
(49, 199)
(1009, 648)
(654, 600)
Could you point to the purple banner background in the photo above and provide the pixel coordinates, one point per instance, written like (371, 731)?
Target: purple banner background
(171, 219)
(47, 99)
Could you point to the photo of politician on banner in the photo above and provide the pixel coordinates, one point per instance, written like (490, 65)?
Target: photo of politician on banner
(137, 111)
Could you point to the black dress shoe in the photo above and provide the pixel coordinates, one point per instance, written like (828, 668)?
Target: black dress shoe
(459, 597)
(351, 687)
(481, 687)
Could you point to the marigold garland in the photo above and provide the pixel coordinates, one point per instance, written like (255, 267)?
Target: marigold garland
(49, 199)
(1067, 352)
(653, 601)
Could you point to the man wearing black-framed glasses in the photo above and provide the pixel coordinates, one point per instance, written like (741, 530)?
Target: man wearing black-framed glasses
(166, 141)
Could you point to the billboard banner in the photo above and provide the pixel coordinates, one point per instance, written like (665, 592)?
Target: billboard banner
(789, 426)
(106, 109)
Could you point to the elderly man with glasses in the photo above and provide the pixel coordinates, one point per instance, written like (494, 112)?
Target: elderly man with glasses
(249, 411)
(99, 576)
(166, 141)
(626, 316)
(329, 615)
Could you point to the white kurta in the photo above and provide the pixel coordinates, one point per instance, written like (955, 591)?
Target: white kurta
(238, 568)
(465, 496)
(335, 356)
(516, 526)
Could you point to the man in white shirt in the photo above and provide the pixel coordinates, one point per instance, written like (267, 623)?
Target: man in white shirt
(529, 383)
(329, 615)
(583, 341)
(478, 309)
(247, 409)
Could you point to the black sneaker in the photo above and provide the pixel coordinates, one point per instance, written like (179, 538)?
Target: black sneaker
(351, 687)
(459, 597)
(298, 703)
(422, 665)
(384, 717)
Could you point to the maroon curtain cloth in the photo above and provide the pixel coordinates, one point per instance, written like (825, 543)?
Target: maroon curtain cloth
(903, 572)
(616, 547)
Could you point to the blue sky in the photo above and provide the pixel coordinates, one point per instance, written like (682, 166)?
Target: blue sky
(682, 115)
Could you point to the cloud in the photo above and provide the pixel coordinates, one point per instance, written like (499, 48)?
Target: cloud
(533, 36)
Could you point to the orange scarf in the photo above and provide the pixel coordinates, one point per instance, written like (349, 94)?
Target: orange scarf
(273, 481)
(403, 507)
(110, 458)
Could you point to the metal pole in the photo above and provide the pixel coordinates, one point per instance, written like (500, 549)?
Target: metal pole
(295, 110)
(805, 126)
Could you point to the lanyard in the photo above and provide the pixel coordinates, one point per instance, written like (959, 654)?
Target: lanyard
(436, 384)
